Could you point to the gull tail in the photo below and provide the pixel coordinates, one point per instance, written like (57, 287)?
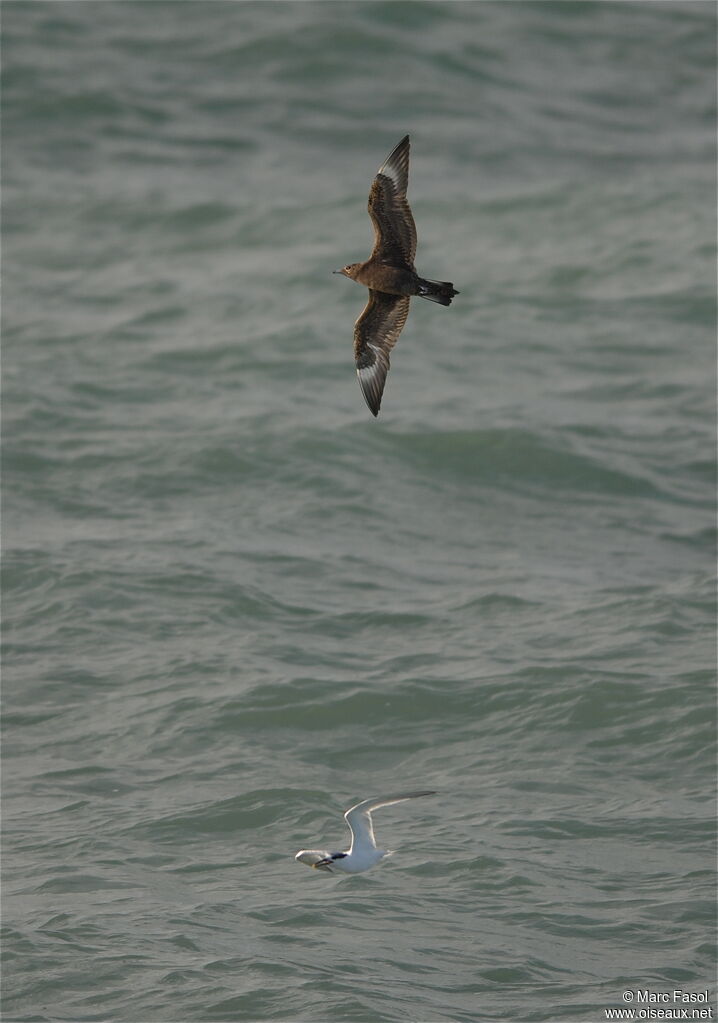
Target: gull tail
(437, 291)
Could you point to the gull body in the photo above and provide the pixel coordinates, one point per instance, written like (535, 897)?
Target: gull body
(363, 852)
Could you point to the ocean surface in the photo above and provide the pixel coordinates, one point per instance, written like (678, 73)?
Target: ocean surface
(235, 603)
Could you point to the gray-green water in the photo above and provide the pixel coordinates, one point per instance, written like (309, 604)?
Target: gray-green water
(234, 602)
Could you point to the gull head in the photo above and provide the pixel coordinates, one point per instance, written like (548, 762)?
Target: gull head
(318, 859)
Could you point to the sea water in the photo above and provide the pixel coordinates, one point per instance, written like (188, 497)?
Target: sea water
(235, 603)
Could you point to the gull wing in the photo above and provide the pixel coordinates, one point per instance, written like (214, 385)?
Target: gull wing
(394, 228)
(375, 334)
(359, 817)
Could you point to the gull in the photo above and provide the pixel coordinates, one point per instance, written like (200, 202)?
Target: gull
(363, 853)
(390, 276)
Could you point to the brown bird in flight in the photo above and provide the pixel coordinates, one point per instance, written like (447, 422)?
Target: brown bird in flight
(390, 276)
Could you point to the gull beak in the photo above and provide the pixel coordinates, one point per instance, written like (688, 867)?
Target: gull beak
(322, 865)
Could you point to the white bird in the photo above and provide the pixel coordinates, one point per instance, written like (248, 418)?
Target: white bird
(363, 853)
